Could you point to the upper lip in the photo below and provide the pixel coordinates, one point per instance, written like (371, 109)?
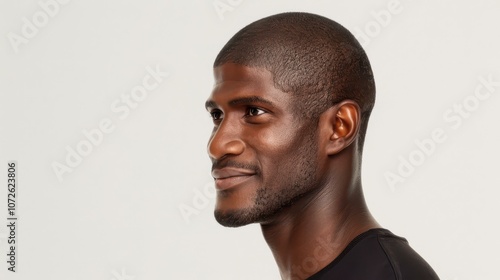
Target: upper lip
(228, 172)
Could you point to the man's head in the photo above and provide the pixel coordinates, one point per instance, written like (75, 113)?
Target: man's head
(291, 91)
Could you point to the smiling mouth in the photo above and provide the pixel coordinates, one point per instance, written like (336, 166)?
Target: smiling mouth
(226, 178)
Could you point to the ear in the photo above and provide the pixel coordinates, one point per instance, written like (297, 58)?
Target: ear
(340, 126)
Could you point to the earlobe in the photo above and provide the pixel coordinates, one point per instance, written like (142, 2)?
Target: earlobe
(344, 126)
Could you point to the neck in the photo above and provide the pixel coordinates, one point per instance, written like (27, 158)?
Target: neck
(311, 233)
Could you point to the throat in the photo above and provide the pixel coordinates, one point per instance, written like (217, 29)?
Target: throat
(307, 241)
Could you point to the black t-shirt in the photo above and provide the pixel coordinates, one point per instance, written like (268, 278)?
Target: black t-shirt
(377, 254)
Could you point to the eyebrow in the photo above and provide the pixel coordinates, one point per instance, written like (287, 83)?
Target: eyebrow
(242, 100)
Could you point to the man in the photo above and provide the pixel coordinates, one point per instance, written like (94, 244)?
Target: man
(292, 96)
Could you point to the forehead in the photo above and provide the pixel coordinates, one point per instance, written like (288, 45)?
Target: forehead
(236, 81)
(231, 72)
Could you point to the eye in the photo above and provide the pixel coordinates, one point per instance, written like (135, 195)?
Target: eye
(216, 115)
(254, 111)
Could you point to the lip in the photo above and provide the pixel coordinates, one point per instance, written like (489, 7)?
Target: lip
(226, 178)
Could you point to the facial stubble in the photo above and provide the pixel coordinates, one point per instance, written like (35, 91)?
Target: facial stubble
(294, 180)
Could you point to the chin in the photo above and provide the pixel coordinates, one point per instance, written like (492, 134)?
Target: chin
(243, 206)
(236, 207)
(245, 216)
(233, 218)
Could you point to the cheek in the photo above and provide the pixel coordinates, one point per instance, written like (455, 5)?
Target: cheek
(283, 151)
(272, 142)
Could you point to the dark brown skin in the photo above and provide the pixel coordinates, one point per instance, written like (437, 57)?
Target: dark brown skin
(299, 179)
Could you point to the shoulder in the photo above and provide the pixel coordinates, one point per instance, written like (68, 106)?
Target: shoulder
(377, 254)
(406, 263)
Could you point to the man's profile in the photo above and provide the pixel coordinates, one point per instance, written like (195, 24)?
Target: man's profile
(292, 97)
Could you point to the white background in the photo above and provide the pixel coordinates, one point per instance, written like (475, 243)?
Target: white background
(117, 214)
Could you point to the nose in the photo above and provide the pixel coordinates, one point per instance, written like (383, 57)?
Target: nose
(225, 141)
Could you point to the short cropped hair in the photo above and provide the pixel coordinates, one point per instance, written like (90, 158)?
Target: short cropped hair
(310, 56)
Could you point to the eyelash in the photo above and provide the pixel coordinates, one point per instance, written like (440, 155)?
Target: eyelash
(247, 113)
(213, 112)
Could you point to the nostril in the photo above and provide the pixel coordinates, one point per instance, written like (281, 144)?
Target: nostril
(220, 147)
(225, 140)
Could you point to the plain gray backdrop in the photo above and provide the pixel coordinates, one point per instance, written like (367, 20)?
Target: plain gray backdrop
(113, 176)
